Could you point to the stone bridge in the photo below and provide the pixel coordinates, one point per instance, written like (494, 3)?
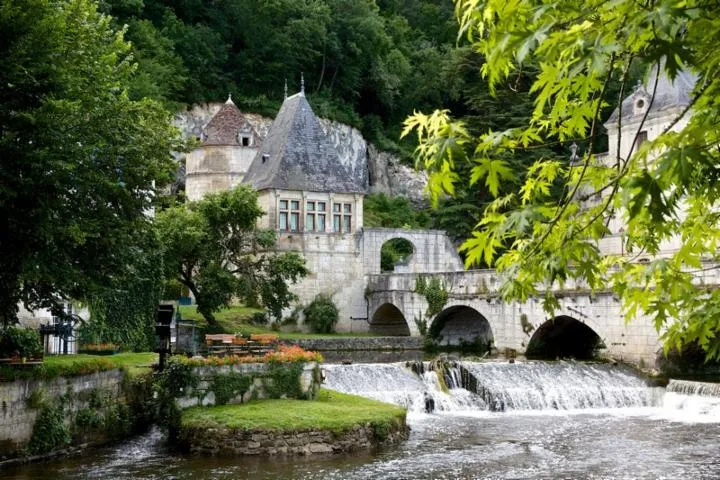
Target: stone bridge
(474, 311)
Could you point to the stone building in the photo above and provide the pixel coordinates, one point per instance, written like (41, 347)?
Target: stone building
(643, 117)
(311, 196)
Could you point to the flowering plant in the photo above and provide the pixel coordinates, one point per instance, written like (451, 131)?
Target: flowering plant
(293, 353)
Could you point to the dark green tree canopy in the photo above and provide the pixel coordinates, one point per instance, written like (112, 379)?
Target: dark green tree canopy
(665, 189)
(80, 160)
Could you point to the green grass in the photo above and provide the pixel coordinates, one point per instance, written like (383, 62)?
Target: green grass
(134, 363)
(55, 366)
(332, 410)
(235, 320)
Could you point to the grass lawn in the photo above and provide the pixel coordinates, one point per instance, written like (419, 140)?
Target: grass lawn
(332, 410)
(135, 363)
(236, 320)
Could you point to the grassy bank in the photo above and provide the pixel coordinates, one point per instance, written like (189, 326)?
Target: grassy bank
(73, 365)
(236, 320)
(334, 411)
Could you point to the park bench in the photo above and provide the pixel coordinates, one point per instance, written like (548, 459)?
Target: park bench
(227, 344)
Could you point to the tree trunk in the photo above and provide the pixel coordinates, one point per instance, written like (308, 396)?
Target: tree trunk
(212, 322)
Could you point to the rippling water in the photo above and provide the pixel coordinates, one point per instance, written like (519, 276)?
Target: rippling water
(662, 435)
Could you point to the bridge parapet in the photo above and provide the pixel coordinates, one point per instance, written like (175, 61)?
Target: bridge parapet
(487, 282)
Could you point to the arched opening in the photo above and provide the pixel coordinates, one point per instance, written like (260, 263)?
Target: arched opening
(464, 327)
(389, 320)
(564, 337)
(395, 254)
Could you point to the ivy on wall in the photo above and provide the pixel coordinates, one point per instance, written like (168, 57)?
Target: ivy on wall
(435, 294)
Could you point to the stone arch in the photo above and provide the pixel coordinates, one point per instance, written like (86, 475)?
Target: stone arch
(397, 255)
(564, 337)
(389, 320)
(461, 324)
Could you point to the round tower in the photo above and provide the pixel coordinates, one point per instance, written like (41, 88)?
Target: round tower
(228, 145)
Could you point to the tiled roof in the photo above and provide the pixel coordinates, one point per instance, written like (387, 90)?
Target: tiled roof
(297, 155)
(223, 128)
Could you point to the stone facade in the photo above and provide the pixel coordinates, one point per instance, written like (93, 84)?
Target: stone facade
(233, 442)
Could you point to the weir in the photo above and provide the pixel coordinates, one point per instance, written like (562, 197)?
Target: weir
(522, 386)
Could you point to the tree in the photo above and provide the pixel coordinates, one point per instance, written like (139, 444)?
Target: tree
(80, 160)
(214, 248)
(668, 187)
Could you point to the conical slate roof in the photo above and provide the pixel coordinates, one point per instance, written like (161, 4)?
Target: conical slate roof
(297, 155)
(669, 94)
(223, 128)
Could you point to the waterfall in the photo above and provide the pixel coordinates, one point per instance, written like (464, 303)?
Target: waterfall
(557, 386)
(492, 386)
(693, 401)
(687, 387)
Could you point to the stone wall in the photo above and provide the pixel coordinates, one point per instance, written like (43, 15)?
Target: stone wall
(17, 416)
(203, 395)
(360, 343)
(231, 442)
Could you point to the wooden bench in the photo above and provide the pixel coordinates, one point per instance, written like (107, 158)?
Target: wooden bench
(226, 344)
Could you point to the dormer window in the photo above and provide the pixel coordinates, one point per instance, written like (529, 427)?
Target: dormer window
(244, 139)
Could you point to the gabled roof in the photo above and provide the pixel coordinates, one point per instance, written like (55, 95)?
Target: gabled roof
(297, 155)
(669, 94)
(223, 128)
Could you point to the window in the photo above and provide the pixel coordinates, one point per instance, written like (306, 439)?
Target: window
(244, 139)
(289, 215)
(342, 217)
(315, 216)
(641, 138)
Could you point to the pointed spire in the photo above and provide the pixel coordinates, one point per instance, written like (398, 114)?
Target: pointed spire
(285, 87)
(229, 100)
(302, 83)
(573, 154)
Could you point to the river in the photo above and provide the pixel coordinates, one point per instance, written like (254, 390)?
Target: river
(532, 420)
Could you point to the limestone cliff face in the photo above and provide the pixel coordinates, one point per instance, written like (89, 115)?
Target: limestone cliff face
(377, 171)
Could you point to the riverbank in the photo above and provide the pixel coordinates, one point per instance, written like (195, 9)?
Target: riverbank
(334, 423)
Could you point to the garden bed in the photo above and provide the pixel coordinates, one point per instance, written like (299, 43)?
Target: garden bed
(333, 423)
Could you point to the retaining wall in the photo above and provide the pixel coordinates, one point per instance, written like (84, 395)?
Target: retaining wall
(17, 416)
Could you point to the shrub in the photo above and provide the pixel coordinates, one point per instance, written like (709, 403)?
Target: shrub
(259, 318)
(49, 431)
(322, 314)
(21, 342)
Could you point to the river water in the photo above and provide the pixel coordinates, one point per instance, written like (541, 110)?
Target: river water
(530, 420)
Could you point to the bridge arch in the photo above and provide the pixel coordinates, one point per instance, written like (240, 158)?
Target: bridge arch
(461, 324)
(396, 255)
(389, 320)
(564, 337)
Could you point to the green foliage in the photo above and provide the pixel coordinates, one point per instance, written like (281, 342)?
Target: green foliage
(36, 399)
(393, 252)
(380, 210)
(422, 324)
(259, 318)
(49, 431)
(82, 161)
(321, 314)
(585, 55)
(284, 380)
(228, 386)
(435, 294)
(21, 342)
(214, 248)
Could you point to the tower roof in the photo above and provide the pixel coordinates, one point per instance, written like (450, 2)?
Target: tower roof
(223, 128)
(668, 95)
(297, 155)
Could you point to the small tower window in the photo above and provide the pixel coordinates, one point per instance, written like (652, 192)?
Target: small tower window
(641, 138)
(244, 139)
(265, 157)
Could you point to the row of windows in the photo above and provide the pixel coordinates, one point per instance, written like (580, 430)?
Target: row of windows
(315, 216)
